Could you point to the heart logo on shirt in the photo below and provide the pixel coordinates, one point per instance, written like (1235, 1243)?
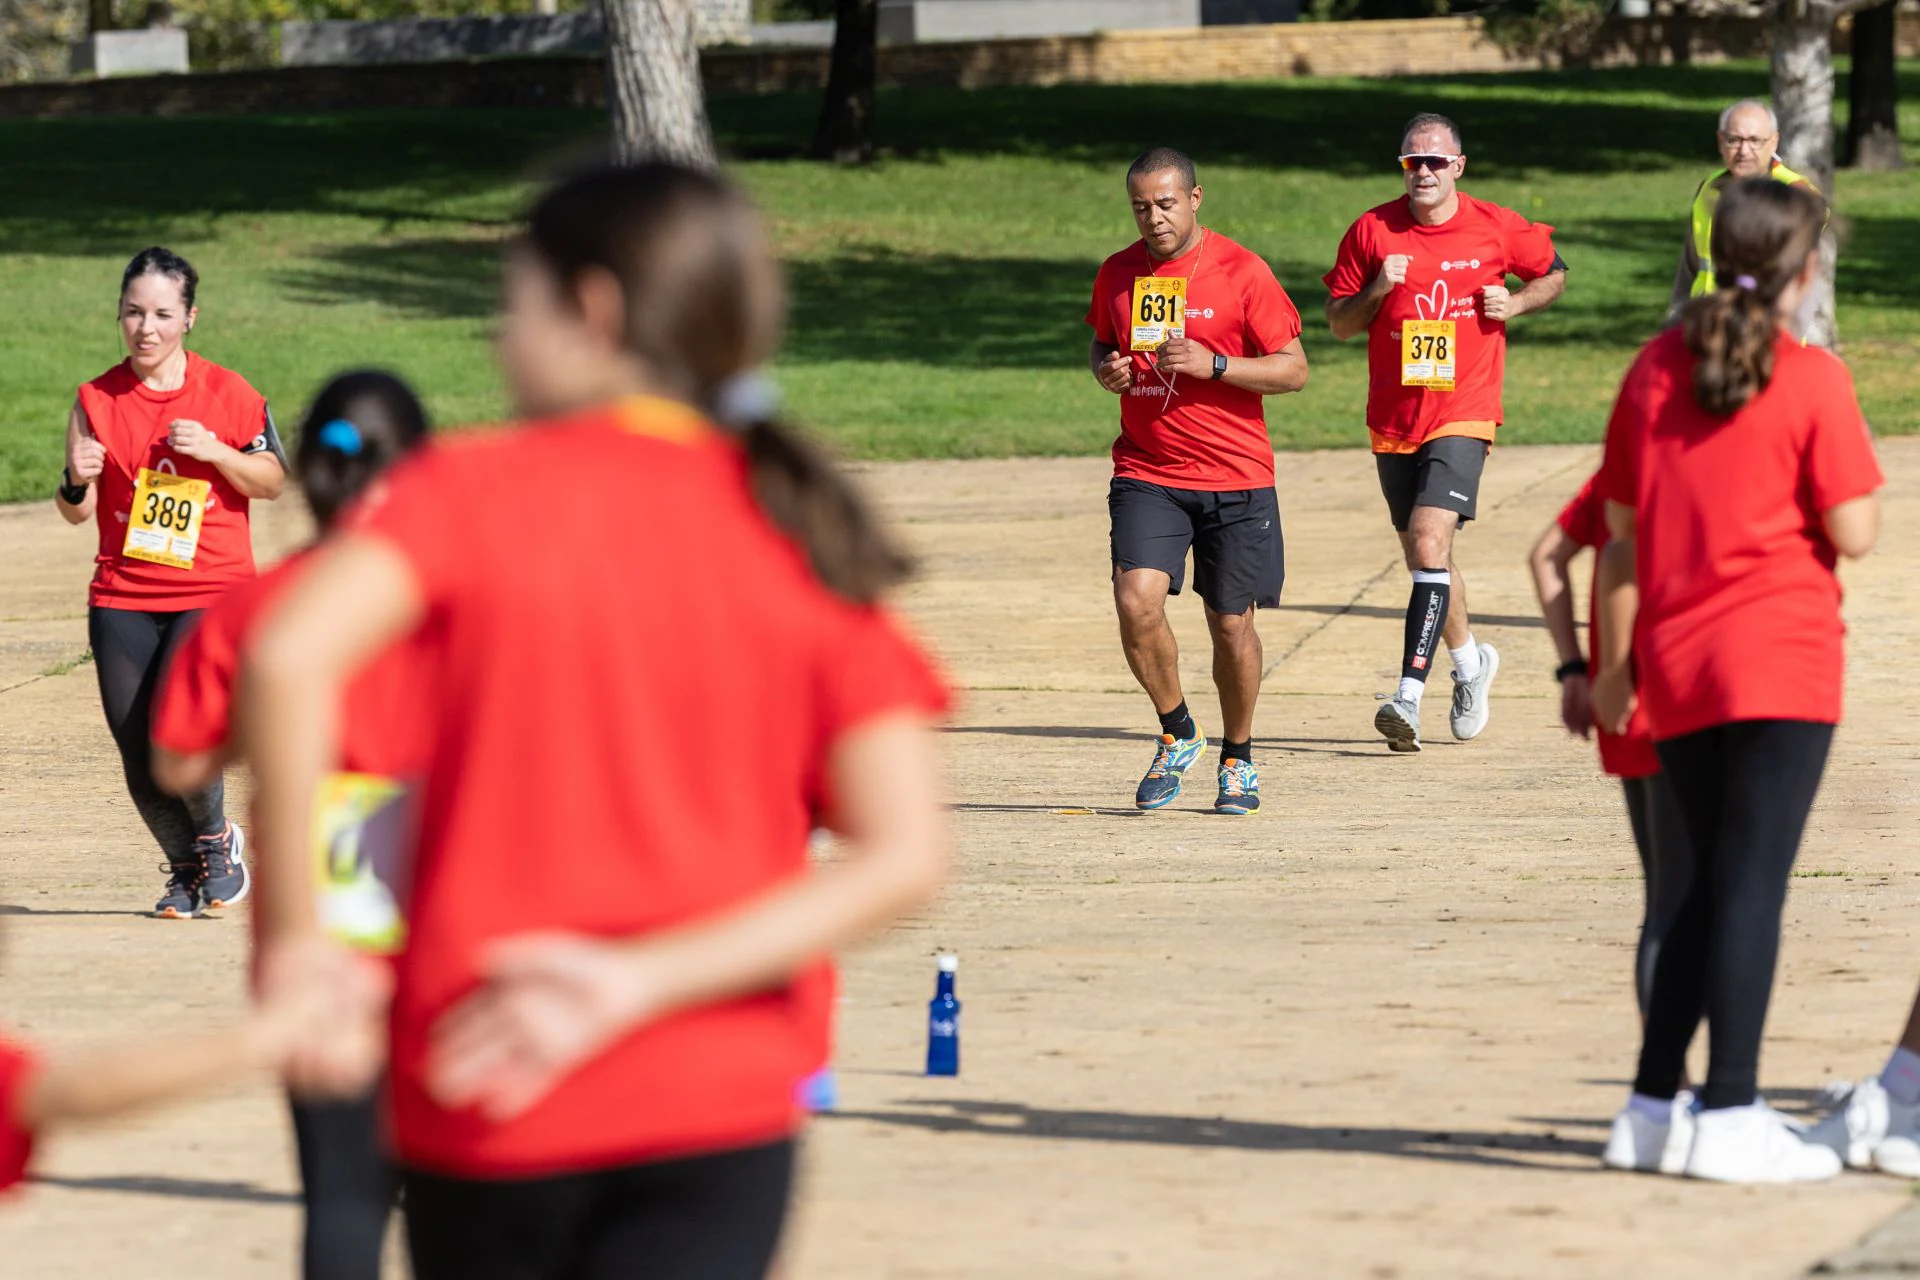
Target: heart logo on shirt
(1432, 306)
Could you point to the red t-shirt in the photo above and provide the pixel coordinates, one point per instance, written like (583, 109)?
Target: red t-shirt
(1739, 607)
(1481, 245)
(641, 682)
(1628, 755)
(383, 724)
(131, 419)
(17, 1065)
(1186, 432)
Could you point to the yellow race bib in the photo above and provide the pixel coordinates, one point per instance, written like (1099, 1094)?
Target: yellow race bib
(1159, 310)
(164, 525)
(362, 849)
(1427, 354)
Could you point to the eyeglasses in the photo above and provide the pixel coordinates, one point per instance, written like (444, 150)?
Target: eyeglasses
(1435, 163)
(1733, 142)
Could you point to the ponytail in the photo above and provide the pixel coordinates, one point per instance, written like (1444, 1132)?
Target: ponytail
(805, 495)
(1731, 333)
(1763, 232)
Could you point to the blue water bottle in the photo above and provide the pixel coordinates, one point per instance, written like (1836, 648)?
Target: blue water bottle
(943, 1023)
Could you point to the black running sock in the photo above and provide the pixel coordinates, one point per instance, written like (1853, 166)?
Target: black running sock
(1426, 620)
(1178, 722)
(1242, 751)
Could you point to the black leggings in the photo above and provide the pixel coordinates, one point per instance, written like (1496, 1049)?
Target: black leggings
(1746, 789)
(130, 654)
(713, 1217)
(1666, 865)
(348, 1185)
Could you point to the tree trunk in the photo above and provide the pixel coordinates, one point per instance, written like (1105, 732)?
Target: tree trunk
(845, 132)
(99, 16)
(653, 83)
(1873, 135)
(1803, 98)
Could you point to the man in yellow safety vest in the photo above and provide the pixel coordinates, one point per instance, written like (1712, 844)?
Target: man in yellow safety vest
(1749, 138)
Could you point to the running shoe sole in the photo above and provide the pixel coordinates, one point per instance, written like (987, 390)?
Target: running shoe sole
(1235, 810)
(1400, 735)
(1150, 805)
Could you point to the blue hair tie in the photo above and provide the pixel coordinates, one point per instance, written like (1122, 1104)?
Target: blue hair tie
(342, 437)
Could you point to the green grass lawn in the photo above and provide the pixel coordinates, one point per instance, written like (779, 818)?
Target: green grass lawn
(939, 294)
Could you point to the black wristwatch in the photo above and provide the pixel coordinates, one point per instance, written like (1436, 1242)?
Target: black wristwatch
(1577, 667)
(70, 493)
(1219, 367)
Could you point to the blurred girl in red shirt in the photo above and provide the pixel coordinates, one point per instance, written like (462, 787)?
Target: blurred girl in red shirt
(662, 660)
(165, 452)
(1738, 469)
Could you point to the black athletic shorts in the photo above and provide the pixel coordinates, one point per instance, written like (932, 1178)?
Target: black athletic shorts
(1445, 473)
(1239, 558)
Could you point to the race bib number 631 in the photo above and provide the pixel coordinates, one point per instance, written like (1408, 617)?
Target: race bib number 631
(1159, 310)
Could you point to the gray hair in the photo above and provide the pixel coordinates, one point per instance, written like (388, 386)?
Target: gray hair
(1773, 121)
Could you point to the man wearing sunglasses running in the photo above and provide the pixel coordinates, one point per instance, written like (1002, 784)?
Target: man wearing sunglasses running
(1749, 138)
(1425, 278)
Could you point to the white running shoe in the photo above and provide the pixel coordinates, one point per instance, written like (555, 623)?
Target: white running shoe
(1858, 1124)
(1898, 1151)
(1469, 714)
(1755, 1144)
(1399, 723)
(1641, 1144)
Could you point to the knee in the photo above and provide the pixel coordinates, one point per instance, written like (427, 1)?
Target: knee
(1138, 603)
(1430, 549)
(1233, 630)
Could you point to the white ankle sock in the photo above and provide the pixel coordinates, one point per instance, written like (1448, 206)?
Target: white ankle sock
(1411, 690)
(1466, 660)
(1901, 1077)
(1660, 1109)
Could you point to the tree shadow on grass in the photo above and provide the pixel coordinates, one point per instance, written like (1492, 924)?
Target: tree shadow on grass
(1605, 121)
(1543, 1152)
(447, 278)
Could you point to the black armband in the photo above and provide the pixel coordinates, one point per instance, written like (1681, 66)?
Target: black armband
(268, 441)
(1559, 263)
(1577, 667)
(70, 493)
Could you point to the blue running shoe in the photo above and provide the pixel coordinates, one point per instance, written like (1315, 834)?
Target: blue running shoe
(226, 879)
(1174, 757)
(181, 901)
(1239, 788)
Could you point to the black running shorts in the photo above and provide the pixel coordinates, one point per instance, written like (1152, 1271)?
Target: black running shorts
(1239, 558)
(1445, 473)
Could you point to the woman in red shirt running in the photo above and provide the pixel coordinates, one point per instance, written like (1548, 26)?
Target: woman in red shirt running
(662, 659)
(360, 424)
(1738, 469)
(165, 451)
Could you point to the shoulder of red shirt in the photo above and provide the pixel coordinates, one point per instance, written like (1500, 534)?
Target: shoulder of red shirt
(1584, 519)
(18, 1063)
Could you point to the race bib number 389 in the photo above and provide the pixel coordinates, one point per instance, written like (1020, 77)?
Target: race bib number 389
(1427, 354)
(1159, 310)
(164, 525)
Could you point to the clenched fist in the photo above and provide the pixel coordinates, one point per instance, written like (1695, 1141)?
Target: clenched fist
(1496, 303)
(1184, 355)
(86, 459)
(1393, 271)
(1115, 373)
(193, 440)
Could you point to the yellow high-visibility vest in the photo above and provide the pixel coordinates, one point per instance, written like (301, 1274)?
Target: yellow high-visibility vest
(1705, 201)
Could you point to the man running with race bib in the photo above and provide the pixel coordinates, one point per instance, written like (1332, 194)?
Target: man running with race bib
(1425, 278)
(1191, 331)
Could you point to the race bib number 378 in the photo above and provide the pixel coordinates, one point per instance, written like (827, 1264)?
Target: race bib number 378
(1427, 354)
(164, 525)
(1159, 310)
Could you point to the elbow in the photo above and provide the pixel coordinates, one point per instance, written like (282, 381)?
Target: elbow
(270, 490)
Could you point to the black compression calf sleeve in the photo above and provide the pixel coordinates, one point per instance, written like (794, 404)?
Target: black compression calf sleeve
(1426, 620)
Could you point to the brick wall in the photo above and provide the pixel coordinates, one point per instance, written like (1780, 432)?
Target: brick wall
(1430, 45)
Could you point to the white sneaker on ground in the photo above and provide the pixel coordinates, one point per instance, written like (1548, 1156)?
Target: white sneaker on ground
(1755, 1144)
(1641, 1143)
(1469, 712)
(1898, 1151)
(1858, 1123)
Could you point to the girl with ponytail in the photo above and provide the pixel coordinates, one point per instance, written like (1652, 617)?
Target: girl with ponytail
(661, 665)
(1738, 470)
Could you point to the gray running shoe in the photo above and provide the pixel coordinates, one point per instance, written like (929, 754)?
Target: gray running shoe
(226, 879)
(1470, 696)
(1399, 723)
(181, 901)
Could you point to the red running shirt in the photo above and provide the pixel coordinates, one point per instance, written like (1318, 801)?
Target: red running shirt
(386, 718)
(1628, 755)
(1739, 606)
(130, 419)
(17, 1066)
(1196, 433)
(1481, 245)
(642, 681)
